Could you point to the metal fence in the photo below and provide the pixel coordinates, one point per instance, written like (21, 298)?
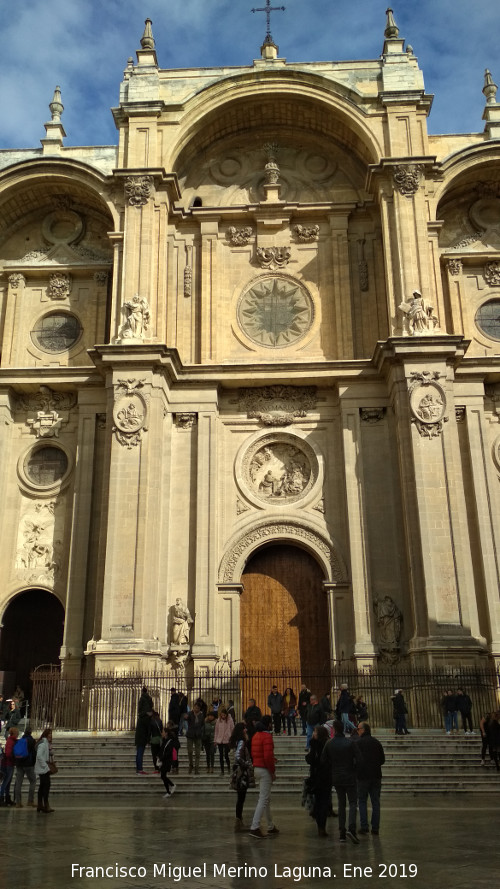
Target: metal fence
(108, 702)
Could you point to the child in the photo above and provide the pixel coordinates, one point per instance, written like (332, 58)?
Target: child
(168, 754)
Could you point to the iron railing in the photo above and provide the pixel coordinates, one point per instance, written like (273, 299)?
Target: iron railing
(108, 701)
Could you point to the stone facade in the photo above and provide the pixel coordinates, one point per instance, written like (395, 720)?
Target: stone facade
(211, 342)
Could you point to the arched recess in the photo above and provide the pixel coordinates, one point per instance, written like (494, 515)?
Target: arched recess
(31, 634)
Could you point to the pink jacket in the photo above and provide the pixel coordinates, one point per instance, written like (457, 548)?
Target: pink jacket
(223, 730)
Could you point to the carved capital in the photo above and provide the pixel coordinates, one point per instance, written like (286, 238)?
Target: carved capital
(407, 178)
(101, 278)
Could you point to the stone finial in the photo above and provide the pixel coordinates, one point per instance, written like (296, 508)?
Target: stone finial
(391, 29)
(147, 39)
(490, 88)
(56, 106)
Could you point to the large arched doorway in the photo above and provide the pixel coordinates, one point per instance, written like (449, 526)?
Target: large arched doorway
(284, 614)
(32, 634)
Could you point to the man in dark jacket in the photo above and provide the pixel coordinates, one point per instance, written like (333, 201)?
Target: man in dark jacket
(450, 711)
(142, 736)
(26, 767)
(315, 716)
(369, 777)
(345, 706)
(464, 706)
(194, 732)
(344, 758)
(304, 699)
(252, 716)
(400, 711)
(275, 704)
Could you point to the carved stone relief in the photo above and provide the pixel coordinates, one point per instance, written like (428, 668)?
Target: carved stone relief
(16, 281)
(389, 620)
(137, 317)
(275, 311)
(59, 286)
(372, 414)
(279, 469)
(460, 413)
(39, 543)
(46, 400)
(101, 278)
(491, 273)
(273, 257)
(129, 412)
(427, 403)
(306, 234)
(277, 405)
(239, 237)
(454, 266)
(46, 424)
(185, 420)
(407, 178)
(138, 190)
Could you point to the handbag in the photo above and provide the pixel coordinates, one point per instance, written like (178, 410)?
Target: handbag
(53, 768)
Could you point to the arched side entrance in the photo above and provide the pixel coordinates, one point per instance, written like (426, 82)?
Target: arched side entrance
(32, 635)
(284, 623)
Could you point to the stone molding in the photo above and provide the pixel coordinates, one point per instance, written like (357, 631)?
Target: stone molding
(241, 548)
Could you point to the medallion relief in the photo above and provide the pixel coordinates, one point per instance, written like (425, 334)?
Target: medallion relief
(275, 311)
(129, 413)
(279, 469)
(427, 403)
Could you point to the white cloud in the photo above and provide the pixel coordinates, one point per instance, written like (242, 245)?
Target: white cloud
(83, 46)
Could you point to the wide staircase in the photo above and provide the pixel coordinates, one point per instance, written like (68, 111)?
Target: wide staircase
(426, 761)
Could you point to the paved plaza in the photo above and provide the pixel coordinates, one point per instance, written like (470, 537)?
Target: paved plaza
(451, 839)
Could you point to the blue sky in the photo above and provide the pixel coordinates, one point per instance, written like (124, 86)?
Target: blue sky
(83, 46)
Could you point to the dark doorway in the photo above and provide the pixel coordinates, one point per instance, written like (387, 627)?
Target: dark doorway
(32, 634)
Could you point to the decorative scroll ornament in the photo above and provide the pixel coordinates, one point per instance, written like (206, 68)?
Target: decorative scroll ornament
(277, 405)
(372, 414)
(273, 257)
(427, 403)
(46, 401)
(138, 190)
(185, 420)
(129, 412)
(239, 237)
(16, 281)
(491, 273)
(420, 316)
(407, 178)
(454, 266)
(307, 233)
(59, 286)
(136, 324)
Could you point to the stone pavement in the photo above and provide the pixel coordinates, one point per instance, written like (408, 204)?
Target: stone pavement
(451, 840)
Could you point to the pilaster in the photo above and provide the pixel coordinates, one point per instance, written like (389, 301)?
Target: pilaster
(204, 646)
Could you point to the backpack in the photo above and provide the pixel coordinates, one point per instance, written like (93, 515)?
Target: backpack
(21, 751)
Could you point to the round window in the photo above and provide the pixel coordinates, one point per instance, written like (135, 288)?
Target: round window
(488, 319)
(275, 312)
(46, 465)
(56, 332)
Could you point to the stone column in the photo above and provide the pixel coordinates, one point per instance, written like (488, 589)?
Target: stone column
(420, 376)
(73, 642)
(208, 321)
(363, 612)
(339, 613)
(204, 648)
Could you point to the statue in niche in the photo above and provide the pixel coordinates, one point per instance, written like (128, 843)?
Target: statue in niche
(420, 315)
(138, 316)
(181, 623)
(389, 620)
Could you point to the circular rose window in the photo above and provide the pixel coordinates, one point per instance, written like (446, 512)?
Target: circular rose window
(275, 312)
(45, 466)
(56, 332)
(488, 319)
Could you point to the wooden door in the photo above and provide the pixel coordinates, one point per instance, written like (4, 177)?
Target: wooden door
(284, 613)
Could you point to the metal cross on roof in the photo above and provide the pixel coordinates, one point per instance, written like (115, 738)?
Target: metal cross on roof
(268, 9)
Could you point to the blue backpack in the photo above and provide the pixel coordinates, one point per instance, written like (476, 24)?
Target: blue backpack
(21, 750)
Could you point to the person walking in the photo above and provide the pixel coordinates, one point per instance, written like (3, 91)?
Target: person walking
(222, 737)
(25, 766)
(44, 757)
(315, 716)
(304, 699)
(275, 704)
(369, 777)
(167, 754)
(208, 740)
(320, 779)
(345, 706)
(264, 763)
(484, 728)
(464, 706)
(242, 770)
(344, 758)
(9, 764)
(155, 738)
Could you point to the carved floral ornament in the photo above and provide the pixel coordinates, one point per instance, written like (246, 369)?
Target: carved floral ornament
(491, 273)
(407, 178)
(427, 403)
(130, 412)
(239, 237)
(454, 267)
(138, 190)
(240, 550)
(273, 257)
(16, 281)
(277, 405)
(59, 286)
(306, 233)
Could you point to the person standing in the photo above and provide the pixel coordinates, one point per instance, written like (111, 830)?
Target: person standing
(194, 732)
(304, 699)
(264, 763)
(344, 758)
(145, 704)
(9, 763)
(275, 704)
(315, 716)
(12, 717)
(320, 778)
(399, 711)
(156, 729)
(289, 712)
(252, 716)
(464, 706)
(141, 740)
(242, 770)
(222, 736)
(42, 770)
(208, 740)
(369, 777)
(168, 755)
(450, 711)
(26, 766)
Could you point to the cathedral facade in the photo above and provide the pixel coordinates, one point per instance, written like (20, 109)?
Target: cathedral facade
(250, 375)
